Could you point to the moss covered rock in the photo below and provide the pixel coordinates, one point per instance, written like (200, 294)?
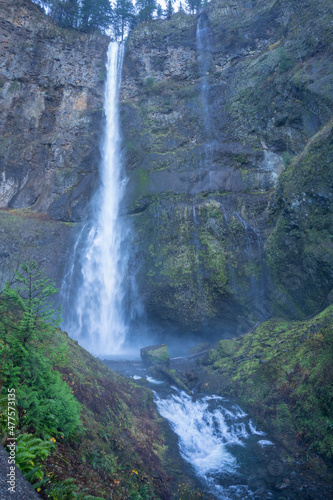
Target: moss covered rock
(226, 347)
(200, 196)
(155, 355)
(299, 250)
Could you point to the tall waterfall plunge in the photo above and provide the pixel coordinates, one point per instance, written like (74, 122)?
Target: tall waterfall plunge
(94, 293)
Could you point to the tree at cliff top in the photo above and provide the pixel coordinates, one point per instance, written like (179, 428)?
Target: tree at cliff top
(169, 9)
(159, 11)
(193, 5)
(87, 15)
(63, 12)
(146, 9)
(95, 14)
(123, 18)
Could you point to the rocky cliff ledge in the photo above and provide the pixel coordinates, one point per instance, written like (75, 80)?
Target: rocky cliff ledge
(214, 123)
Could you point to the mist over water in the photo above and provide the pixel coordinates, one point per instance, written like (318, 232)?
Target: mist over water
(97, 289)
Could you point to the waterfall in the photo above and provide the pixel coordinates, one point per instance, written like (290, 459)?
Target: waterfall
(204, 62)
(94, 291)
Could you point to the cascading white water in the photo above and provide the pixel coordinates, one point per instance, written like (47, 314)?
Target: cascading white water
(208, 433)
(97, 317)
(204, 62)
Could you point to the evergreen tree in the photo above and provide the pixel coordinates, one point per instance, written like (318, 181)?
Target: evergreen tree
(30, 346)
(123, 17)
(181, 8)
(169, 9)
(63, 12)
(159, 11)
(194, 5)
(28, 302)
(95, 14)
(146, 9)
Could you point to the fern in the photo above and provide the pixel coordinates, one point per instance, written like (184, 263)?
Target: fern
(30, 454)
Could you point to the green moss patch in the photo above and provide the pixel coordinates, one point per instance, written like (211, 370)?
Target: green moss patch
(155, 355)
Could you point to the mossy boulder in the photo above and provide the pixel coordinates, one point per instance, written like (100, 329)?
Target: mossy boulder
(155, 355)
(226, 347)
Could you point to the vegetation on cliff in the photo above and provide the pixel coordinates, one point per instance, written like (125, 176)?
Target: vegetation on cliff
(282, 373)
(120, 16)
(299, 249)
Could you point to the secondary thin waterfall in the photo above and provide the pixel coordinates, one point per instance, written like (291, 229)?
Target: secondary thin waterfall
(204, 63)
(96, 279)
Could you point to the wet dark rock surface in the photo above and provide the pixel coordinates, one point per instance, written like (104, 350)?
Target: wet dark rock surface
(51, 93)
(23, 489)
(225, 234)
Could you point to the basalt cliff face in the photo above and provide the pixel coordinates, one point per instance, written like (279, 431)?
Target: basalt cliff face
(227, 143)
(51, 100)
(51, 104)
(229, 155)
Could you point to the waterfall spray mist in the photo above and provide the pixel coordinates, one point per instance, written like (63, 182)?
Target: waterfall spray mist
(95, 283)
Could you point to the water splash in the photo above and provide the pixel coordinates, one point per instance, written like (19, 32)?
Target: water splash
(199, 444)
(95, 283)
(208, 432)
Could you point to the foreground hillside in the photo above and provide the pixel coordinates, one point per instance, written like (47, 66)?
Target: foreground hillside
(80, 428)
(117, 448)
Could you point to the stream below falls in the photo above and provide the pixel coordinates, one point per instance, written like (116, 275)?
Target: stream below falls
(219, 447)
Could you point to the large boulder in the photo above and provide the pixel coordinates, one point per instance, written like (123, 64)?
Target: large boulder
(155, 355)
(226, 347)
